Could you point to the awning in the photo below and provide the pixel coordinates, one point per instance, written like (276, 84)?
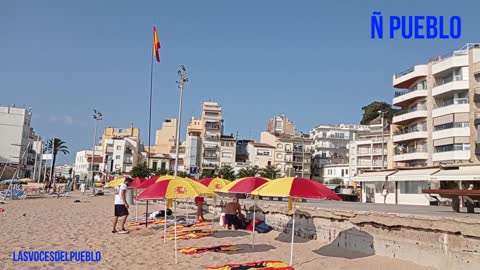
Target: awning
(413, 175)
(466, 173)
(379, 176)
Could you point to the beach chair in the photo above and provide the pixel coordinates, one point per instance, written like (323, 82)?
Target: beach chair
(13, 194)
(63, 192)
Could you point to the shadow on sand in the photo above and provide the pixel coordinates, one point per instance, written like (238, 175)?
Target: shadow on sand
(247, 248)
(224, 234)
(306, 234)
(349, 244)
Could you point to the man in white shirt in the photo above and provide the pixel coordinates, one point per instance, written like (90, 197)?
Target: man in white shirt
(121, 205)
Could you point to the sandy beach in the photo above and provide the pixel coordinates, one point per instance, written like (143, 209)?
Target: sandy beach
(60, 224)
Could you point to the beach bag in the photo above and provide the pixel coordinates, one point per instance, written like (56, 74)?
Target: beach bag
(250, 225)
(263, 228)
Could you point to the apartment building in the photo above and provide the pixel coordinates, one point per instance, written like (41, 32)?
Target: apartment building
(336, 171)
(369, 149)
(228, 146)
(193, 150)
(19, 146)
(165, 137)
(83, 166)
(293, 153)
(435, 136)
(331, 144)
(260, 154)
(440, 106)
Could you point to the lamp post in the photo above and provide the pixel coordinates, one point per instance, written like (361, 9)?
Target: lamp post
(382, 117)
(96, 116)
(182, 79)
(303, 154)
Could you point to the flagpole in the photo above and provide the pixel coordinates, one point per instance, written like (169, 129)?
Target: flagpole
(150, 111)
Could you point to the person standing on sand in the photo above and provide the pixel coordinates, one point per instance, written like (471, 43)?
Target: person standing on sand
(121, 205)
(385, 193)
(199, 202)
(232, 209)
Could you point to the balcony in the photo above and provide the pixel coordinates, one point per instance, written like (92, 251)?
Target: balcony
(451, 84)
(210, 156)
(212, 136)
(459, 105)
(411, 154)
(377, 152)
(452, 130)
(364, 152)
(210, 146)
(368, 164)
(209, 165)
(451, 155)
(406, 78)
(404, 97)
(404, 116)
(212, 125)
(451, 60)
(410, 134)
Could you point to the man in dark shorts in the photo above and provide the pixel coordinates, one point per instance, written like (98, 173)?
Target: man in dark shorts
(121, 205)
(232, 209)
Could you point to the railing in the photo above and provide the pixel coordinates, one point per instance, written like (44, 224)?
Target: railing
(413, 109)
(210, 155)
(212, 136)
(410, 130)
(450, 55)
(379, 151)
(454, 101)
(412, 150)
(209, 165)
(208, 146)
(416, 88)
(212, 126)
(452, 147)
(449, 79)
(405, 72)
(452, 125)
(364, 152)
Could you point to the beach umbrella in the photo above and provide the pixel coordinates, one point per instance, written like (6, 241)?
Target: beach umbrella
(115, 182)
(176, 188)
(137, 181)
(214, 183)
(245, 186)
(145, 184)
(295, 188)
(165, 177)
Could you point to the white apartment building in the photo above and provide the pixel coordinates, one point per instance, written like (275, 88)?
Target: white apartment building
(437, 127)
(260, 154)
(17, 145)
(336, 171)
(125, 153)
(228, 146)
(331, 144)
(82, 168)
(211, 133)
(369, 149)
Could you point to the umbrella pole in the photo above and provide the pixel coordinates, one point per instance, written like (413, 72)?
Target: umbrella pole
(146, 216)
(293, 234)
(254, 211)
(186, 210)
(213, 212)
(134, 192)
(175, 210)
(165, 227)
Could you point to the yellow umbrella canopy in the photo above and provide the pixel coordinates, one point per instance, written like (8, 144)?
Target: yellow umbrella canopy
(165, 177)
(175, 188)
(115, 182)
(214, 183)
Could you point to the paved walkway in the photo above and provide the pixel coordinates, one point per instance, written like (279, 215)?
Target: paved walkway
(435, 211)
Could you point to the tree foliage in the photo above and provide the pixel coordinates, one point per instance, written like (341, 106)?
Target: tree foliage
(140, 170)
(370, 112)
(270, 172)
(249, 171)
(226, 172)
(56, 145)
(207, 174)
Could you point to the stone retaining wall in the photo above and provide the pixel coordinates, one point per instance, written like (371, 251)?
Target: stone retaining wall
(444, 243)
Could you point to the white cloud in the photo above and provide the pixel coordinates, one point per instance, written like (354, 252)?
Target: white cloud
(52, 118)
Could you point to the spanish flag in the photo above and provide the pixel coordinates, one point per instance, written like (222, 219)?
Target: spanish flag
(156, 44)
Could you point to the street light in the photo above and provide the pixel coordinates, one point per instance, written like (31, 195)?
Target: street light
(182, 79)
(97, 116)
(303, 154)
(382, 115)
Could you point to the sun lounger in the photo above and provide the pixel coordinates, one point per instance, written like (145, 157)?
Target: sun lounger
(13, 194)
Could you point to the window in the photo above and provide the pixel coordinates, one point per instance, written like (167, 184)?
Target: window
(162, 166)
(279, 146)
(117, 157)
(261, 152)
(269, 163)
(343, 173)
(223, 143)
(119, 147)
(279, 156)
(154, 165)
(227, 154)
(413, 187)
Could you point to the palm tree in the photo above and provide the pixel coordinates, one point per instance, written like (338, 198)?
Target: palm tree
(270, 171)
(56, 145)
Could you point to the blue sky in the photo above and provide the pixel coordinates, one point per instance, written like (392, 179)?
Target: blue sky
(313, 60)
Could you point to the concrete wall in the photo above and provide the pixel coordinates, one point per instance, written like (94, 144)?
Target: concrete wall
(441, 242)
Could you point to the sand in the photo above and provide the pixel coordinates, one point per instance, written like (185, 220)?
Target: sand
(61, 224)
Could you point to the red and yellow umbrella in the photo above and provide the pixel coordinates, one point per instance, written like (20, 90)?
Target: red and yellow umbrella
(165, 177)
(145, 184)
(244, 185)
(214, 183)
(175, 188)
(137, 181)
(295, 188)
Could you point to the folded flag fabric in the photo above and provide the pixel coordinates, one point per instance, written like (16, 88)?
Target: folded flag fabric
(184, 232)
(265, 265)
(200, 224)
(133, 224)
(199, 250)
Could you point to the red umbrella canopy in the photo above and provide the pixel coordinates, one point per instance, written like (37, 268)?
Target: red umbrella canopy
(137, 182)
(296, 187)
(244, 185)
(174, 189)
(145, 184)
